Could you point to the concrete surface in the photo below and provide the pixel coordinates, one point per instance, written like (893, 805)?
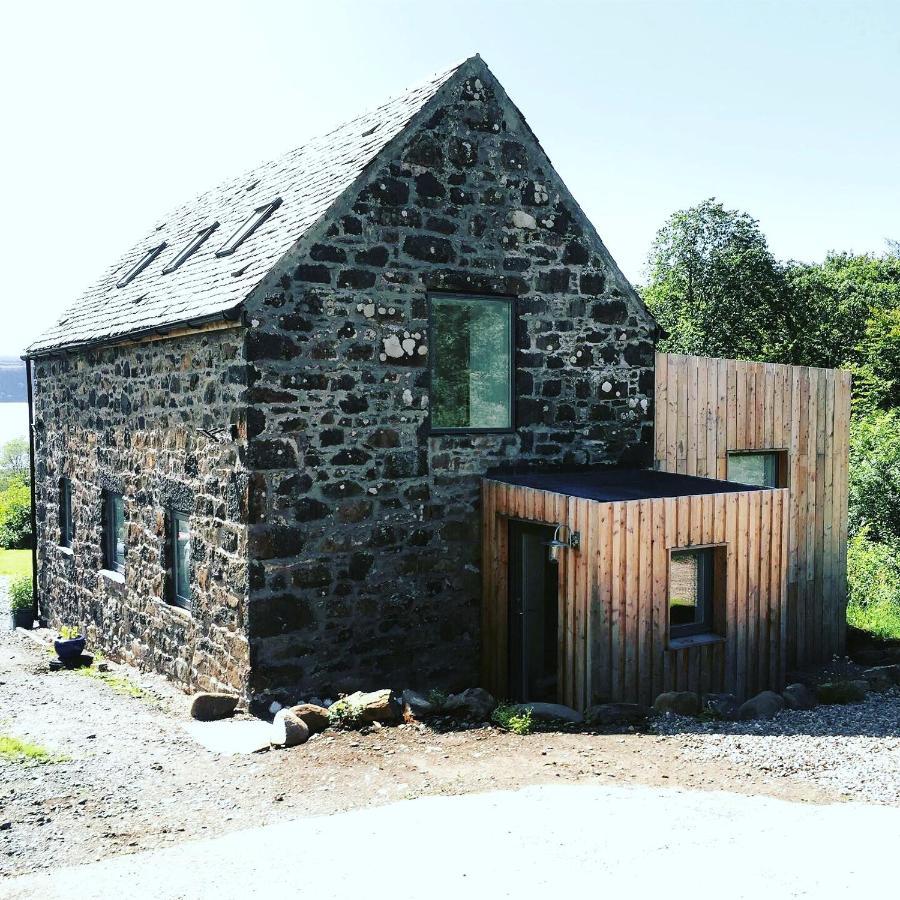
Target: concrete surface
(542, 842)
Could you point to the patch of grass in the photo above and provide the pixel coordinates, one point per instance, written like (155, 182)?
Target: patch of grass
(121, 684)
(15, 563)
(14, 750)
(514, 718)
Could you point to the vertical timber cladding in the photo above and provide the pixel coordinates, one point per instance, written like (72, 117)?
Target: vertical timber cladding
(613, 592)
(708, 407)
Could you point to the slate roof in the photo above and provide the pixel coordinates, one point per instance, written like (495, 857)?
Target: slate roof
(308, 180)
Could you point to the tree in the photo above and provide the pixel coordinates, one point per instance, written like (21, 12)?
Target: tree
(14, 460)
(875, 476)
(832, 304)
(15, 515)
(715, 287)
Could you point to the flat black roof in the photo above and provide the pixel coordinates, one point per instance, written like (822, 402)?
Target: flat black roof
(609, 484)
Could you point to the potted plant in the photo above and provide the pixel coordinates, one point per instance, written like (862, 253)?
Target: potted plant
(21, 611)
(69, 645)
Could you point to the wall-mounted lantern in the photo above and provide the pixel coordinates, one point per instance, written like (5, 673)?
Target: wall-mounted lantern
(557, 544)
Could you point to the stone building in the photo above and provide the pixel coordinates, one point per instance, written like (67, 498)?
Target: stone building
(259, 437)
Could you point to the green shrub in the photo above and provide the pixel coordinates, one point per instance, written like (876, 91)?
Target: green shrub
(345, 715)
(20, 593)
(873, 582)
(15, 515)
(875, 476)
(514, 718)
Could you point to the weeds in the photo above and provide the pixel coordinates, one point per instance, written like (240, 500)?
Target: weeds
(119, 683)
(438, 699)
(514, 718)
(14, 750)
(345, 715)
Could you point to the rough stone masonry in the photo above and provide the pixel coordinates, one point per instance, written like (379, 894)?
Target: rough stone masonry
(364, 529)
(335, 542)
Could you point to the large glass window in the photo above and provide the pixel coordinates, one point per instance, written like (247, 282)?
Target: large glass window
(691, 592)
(755, 467)
(471, 364)
(65, 512)
(114, 532)
(181, 559)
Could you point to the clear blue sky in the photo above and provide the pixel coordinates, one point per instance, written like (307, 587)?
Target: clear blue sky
(114, 112)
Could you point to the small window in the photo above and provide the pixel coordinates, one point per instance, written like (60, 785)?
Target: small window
(763, 468)
(114, 532)
(258, 216)
(65, 512)
(181, 559)
(193, 246)
(471, 364)
(692, 592)
(140, 265)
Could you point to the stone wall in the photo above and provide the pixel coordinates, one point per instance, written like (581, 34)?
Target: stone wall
(364, 530)
(157, 422)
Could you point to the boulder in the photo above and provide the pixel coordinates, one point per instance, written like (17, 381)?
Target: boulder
(415, 706)
(376, 706)
(551, 712)
(720, 706)
(315, 717)
(616, 714)
(882, 678)
(681, 703)
(473, 703)
(765, 705)
(288, 730)
(209, 707)
(841, 691)
(798, 696)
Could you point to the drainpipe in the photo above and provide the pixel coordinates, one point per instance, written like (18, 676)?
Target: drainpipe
(34, 591)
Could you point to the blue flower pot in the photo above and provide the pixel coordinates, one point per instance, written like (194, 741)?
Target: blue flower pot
(69, 649)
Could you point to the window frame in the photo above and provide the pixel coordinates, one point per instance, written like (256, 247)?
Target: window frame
(248, 226)
(174, 598)
(712, 590)
(110, 561)
(141, 264)
(192, 246)
(781, 465)
(510, 301)
(65, 512)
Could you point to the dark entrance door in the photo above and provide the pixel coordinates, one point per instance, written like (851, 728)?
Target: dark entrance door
(533, 612)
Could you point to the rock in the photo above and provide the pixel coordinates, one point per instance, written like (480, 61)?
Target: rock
(720, 706)
(616, 714)
(798, 696)
(682, 703)
(274, 707)
(882, 678)
(415, 706)
(765, 705)
(551, 712)
(102, 667)
(841, 691)
(473, 703)
(288, 730)
(315, 717)
(377, 706)
(209, 707)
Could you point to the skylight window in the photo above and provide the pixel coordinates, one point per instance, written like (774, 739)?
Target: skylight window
(192, 247)
(259, 215)
(140, 265)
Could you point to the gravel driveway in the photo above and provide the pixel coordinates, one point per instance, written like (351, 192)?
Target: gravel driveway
(132, 779)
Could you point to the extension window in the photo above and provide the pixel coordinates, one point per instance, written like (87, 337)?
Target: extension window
(696, 591)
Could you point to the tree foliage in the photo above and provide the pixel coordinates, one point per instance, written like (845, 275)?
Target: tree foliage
(715, 287)
(875, 475)
(14, 461)
(15, 515)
